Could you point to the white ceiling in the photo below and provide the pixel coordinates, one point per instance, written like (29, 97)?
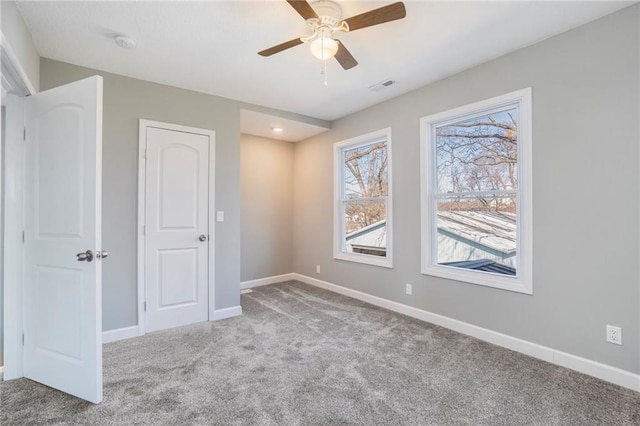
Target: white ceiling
(260, 124)
(212, 47)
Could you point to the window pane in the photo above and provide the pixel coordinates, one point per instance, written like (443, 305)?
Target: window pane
(366, 227)
(478, 154)
(478, 233)
(365, 171)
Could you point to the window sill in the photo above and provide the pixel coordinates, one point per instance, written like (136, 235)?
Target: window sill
(384, 262)
(516, 284)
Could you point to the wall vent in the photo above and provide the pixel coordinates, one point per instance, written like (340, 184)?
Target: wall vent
(381, 85)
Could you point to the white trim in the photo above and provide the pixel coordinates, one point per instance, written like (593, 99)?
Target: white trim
(13, 249)
(142, 172)
(338, 189)
(142, 143)
(583, 365)
(266, 281)
(119, 334)
(17, 66)
(523, 281)
(225, 313)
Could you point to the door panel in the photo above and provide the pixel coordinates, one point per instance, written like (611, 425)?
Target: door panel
(59, 293)
(58, 149)
(177, 278)
(178, 191)
(176, 215)
(63, 297)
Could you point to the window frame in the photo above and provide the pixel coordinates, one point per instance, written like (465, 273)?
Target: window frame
(522, 282)
(339, 234)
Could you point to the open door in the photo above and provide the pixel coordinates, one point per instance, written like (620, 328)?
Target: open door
(62, 241)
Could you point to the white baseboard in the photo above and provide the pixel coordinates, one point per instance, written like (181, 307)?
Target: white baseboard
(234, 311)
(592, 368)
(266, 281)
(133, 331)
(120, 334)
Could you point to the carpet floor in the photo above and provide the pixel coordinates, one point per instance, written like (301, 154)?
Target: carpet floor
(304, 356)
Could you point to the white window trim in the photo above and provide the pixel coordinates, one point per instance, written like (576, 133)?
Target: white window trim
(522, 282)
(339, 251)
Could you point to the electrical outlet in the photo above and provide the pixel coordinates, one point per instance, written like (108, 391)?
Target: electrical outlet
(409, 289)
(614, 334)
(317, 269)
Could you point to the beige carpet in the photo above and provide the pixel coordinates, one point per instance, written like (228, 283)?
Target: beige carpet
(303, 356)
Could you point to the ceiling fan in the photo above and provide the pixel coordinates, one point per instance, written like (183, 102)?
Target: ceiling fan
(324, 19)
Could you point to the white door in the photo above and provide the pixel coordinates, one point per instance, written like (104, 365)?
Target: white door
(176, 227)
(63, 292)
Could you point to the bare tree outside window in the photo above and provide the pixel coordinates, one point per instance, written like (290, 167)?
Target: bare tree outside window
(362, 228)
(365, 185)
(477, 180)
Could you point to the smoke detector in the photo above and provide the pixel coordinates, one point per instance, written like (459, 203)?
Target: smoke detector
(125, 42)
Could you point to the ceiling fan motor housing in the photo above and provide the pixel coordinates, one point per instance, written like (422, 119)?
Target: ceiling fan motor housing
(328, 11)
(328, 20)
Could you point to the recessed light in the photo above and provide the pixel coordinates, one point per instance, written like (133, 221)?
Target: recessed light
(277, 129)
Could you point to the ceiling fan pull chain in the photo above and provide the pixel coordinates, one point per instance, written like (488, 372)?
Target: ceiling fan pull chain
(323, 72)
(323, 67)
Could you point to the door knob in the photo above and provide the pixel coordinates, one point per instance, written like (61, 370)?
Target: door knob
(86, 256)
(102, 254)
(202, 237)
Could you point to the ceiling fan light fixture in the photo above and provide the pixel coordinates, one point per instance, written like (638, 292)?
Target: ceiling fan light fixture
(324, 47)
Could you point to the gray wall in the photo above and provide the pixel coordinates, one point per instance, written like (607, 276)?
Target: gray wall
(19, 37)
(585, 194)
(125, 101)
(266, 201)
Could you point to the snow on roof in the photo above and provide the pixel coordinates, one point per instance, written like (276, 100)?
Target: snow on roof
(374, 235)
(494, 230)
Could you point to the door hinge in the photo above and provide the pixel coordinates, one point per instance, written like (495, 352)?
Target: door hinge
(145, 306)
(144, 229)
(22, 237)
(145, 153)
(24, 133)
(22, 339)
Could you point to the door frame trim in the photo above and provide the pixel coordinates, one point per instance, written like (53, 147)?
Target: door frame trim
(13, 255)
(142, 146)
(12, 216)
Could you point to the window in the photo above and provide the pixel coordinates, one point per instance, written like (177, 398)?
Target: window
(476, 193)
(362, 192)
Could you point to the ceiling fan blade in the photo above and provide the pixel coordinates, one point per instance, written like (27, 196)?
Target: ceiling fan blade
(279, 48)
(344, 57)
(377, 16)
(303, 8)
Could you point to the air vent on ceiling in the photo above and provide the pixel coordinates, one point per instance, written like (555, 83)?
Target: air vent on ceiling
(382, 85)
